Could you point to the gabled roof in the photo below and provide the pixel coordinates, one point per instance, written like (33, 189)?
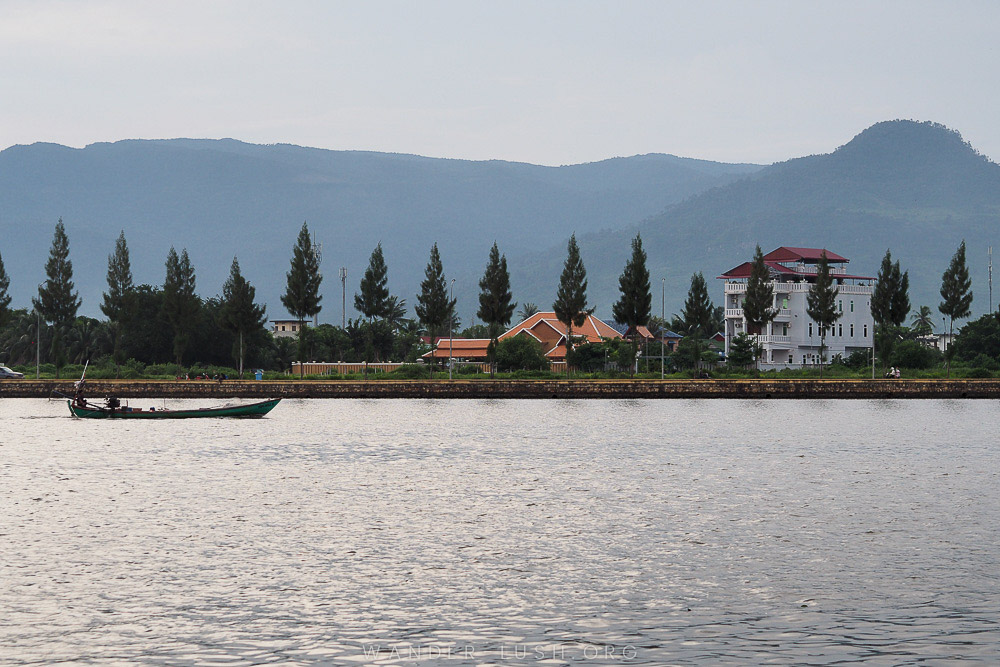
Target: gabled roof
(744, 269)
(593, 329)
(786, 254)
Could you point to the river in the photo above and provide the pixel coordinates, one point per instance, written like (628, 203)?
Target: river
(504, 532)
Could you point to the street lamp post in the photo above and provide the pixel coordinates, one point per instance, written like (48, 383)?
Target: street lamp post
(663, 319)
(451, 329)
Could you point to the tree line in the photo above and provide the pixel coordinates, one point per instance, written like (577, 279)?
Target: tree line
(170, 323)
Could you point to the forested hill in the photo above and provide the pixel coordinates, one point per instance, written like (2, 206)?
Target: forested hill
(916, 188)
(220, 198)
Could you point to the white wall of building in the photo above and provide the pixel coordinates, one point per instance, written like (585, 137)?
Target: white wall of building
(793, 338)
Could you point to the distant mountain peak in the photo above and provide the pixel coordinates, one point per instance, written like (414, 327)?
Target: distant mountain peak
(903, 140)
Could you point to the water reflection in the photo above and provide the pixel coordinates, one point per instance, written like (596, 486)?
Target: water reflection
(648, 531)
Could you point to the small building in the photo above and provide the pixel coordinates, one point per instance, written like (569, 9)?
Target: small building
(286, 328)
(460, 349)
(792, 339)
(544, 327)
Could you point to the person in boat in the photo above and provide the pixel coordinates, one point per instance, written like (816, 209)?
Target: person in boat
(112, 403)
(78, 399)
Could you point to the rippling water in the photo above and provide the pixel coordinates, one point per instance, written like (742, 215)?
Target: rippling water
(505, 532)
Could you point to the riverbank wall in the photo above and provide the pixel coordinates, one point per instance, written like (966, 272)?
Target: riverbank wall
(507, 389)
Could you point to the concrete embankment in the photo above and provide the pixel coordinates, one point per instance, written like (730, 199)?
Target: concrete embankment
(762, 388)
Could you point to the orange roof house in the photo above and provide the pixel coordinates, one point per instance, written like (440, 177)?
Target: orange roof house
(459, 348)
(543, 327)
(551, 333)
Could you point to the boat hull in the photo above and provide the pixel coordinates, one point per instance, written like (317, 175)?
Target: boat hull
(249, 410)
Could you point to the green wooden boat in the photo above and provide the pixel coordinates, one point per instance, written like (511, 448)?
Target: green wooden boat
(90, 411)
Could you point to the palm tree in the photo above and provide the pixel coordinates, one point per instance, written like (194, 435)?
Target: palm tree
(923, 321)
(527, 310)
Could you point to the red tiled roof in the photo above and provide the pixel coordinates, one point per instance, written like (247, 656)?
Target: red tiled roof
(462, 348)
(786, 254)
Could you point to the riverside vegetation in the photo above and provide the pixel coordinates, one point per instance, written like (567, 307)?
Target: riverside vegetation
(169, 331)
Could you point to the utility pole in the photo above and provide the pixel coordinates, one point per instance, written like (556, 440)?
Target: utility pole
(663, 319)
(451, 330)
(991, 279)
(343, 305)
(343, 297)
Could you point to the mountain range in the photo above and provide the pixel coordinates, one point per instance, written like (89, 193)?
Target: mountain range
(916, 188)
(224, 198)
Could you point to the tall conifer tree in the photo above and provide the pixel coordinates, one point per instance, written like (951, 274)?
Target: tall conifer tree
(57, 302)
(956, 290)
(434, 309)
(374, 301)
(302, 297)
(239, 313)
(821, 304)
(117, 305)
(496, 303)
(633, 307)
(180, 301)
(759, 300)
(4, 296)
(571, 296)
(698, 314)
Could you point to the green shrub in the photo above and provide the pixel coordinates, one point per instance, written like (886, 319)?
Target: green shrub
(411, 372)
(978, 373)
(982, 360)
(521, 352)
(911, 354)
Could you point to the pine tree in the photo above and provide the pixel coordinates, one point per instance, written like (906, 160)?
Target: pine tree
(743, 351)
(496, 304)
(239, 313)
(957, 294)
(821, 304)
(698, 314)
(633, 306)
(571, 296)
(4, 296)
(759, 300)
(180, 302)
(302, 297)
(373, 300)
(57, 302)
(434, 309)
(117, 305)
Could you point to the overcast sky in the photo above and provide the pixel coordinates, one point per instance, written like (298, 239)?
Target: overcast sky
(544, 82)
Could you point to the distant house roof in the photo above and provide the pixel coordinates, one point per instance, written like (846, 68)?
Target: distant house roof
(786, 254)
(459, 348)
(546, 328)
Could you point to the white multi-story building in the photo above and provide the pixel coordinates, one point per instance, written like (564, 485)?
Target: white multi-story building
(793, 338)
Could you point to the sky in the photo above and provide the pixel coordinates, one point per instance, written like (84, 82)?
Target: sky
(547, 82)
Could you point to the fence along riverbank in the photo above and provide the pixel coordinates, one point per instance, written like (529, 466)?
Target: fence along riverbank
(513, 389)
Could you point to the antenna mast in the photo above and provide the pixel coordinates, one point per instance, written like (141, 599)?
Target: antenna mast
(317, 251)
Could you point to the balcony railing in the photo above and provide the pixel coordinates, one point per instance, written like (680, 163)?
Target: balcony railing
(774, 339)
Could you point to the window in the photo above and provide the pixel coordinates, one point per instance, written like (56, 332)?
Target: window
(803, 360)
(866, 331)
(840, 330)
(784, 329)
(784, 304)
(840, 305)
(852, 305)
(810, 329)
(852, 329)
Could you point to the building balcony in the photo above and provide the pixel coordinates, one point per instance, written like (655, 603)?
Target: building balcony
(774, 339)
(734, 313)
(736, 288)
(784, 314)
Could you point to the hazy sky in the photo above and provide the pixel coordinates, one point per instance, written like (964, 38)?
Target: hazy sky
(545, 82)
